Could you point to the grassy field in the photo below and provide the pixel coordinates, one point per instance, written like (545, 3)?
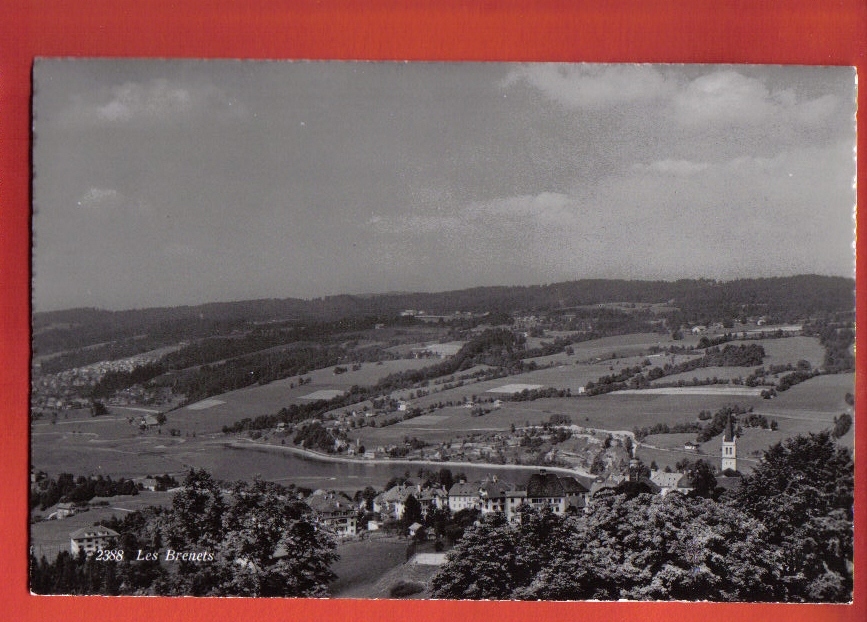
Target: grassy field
(369, 569)
(791, 350)
(363, 563)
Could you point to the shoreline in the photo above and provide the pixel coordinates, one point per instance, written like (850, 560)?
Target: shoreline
(317, 456)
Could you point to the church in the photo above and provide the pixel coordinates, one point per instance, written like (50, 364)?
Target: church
(729, 448)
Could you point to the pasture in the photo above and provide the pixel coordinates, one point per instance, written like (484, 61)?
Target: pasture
(791, 350)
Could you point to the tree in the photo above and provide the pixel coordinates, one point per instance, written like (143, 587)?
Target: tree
(842, 425)
(194, 522)
(446, 479)
(411, 511)
(482, 565)
(273, 547)
(702, 479)
(97, 409)
(803, 492)
(659, 548)
(368, 494)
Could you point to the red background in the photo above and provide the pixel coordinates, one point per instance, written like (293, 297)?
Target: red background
(814, 32)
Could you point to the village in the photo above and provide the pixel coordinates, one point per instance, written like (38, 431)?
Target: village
(425, 509)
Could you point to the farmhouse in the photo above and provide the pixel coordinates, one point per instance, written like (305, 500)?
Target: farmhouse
(92, 539)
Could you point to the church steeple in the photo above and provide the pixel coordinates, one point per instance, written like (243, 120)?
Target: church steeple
(729, 447)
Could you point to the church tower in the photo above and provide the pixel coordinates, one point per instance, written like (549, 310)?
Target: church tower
(729, 448)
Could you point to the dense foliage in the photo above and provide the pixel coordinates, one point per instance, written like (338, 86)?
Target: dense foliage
(255, 541)
(67, 488)
(785, 535)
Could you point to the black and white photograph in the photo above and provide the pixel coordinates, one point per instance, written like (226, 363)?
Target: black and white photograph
(442, 330)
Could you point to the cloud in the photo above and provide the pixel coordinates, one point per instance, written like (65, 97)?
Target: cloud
(678, 168)
(545, 207)
(727, 96)
(593, 86)
(100, 198)
(156, 100)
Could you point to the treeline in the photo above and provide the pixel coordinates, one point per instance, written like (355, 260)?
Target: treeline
(258, 540)
(208, 380)
(314, 436)
(715, 425)
(757, 543)
(837, 339)
(699, 302)
(114, 381)
(528, 395)
(633, 378)
(67, 488)
(497, 347)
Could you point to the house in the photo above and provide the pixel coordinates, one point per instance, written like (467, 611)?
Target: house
(64, 509)
(498, 496)
(335, 511)
(148, 421)
(392, 502)
(671, 482)
(432, 498)
(414, 529)
(92, 539)
(148, 483)
(558, 492)
(610, 483)
(464, 496)
(690, 446)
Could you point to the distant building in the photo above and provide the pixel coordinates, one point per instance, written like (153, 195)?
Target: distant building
(148, 483)
(92, 539)
(335, 511)
(671, 482)
(729, 448)
(559, 493)
(414, 529)
(464, 496)
(64, 510)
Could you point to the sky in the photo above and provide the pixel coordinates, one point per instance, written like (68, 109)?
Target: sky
(175, 182)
